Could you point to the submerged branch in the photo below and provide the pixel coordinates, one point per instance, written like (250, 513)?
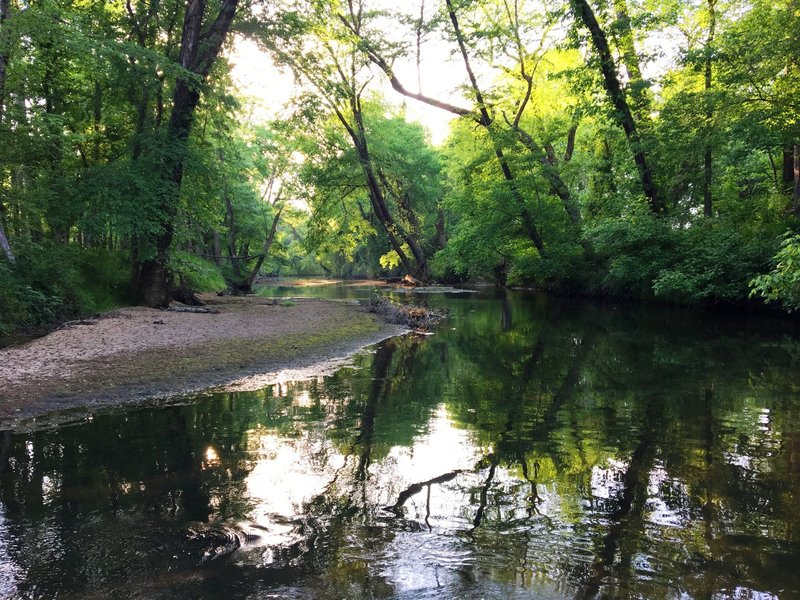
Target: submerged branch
(416, 488)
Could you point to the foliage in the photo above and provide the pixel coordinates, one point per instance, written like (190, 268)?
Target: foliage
(538, 184)
(633, 253)
(782, 284)
(46, 286)
(198, 274)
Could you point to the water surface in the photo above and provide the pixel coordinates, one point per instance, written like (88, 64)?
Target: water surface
(532, 448)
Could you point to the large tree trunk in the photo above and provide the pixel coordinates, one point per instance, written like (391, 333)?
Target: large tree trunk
(6, 247)
(5, 7)
(412, 235)
(787, 173)
(796, 170)
(231, 222)
(197, 55)
(441, 229)
(708, 173)
(4, 12)
(378, 201)
(617, 97)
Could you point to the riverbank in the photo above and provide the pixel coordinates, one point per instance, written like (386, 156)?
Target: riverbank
(140, 353)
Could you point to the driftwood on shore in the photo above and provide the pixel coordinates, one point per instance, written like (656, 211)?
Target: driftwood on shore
(193, 309)
(418, 318)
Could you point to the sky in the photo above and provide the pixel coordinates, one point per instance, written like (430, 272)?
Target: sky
(270, 88)
(440, 76)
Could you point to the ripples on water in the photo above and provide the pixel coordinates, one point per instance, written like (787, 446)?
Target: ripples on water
(532, 448)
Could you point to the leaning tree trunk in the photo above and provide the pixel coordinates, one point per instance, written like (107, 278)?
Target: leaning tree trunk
(197, 55)
(617, 96)
(483, 118)
(248, 284)
(358, 135)
(528, 222)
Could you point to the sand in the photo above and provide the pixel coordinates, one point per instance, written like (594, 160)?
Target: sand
(141, 354)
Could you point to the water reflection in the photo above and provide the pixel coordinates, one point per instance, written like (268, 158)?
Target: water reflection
(531, 447)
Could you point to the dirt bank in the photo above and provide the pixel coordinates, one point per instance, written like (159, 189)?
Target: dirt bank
(140, 353)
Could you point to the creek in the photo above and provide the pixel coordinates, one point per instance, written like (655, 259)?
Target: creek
(533, 447)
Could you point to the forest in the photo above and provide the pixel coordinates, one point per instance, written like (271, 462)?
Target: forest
(639, 149)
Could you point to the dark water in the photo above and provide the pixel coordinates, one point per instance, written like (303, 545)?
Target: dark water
(532, 448)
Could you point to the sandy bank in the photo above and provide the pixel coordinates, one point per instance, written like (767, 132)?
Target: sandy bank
(139, 353)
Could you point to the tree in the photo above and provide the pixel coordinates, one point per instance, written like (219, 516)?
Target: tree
(618, 98)
(326, 53)
(198, 51)
(5, 6)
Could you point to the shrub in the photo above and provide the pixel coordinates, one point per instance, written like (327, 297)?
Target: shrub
(199, 275)
(782, 284)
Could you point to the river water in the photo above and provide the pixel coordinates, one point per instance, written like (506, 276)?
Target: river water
(532, 448)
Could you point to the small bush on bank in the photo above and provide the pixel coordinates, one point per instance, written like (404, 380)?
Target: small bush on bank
(782, 284)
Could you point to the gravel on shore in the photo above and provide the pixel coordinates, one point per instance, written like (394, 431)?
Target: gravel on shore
(140, 353)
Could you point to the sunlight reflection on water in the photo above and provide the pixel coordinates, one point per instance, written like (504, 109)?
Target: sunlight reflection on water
(528, 449)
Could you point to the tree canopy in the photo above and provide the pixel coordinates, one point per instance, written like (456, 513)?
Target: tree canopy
(649, 150)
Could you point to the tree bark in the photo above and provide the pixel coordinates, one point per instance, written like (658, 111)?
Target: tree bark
(4, 242)
(378, 201)
(708, 172)
(787, 173)
(550, 171)
(410, 237)
(231, 218)
(265, 250)
(4, 13)
(216, 246)
(5, 7)
(796, 194)
(441, 229)
(617, 97)
(197, 54)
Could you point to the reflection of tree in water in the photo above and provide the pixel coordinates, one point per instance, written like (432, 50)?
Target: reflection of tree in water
(599, 453)
(130, 486)
(626, 403)
(548, 405)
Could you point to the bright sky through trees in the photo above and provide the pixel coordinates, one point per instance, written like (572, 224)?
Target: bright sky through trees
(440, 75)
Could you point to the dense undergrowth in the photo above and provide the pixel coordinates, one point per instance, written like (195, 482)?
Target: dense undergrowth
(52, 283)
(48, 284)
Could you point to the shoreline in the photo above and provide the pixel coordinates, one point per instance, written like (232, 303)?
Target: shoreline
(138, 355)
